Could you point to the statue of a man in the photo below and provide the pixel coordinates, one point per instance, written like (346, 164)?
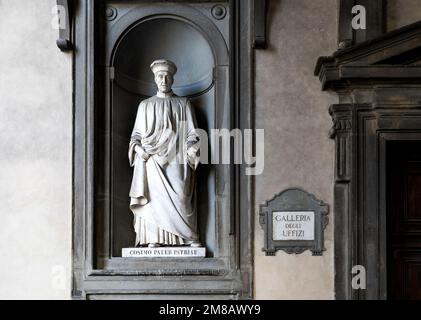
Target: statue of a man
(163, 190)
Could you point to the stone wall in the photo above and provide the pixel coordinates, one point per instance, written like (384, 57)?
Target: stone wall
(36, 154)
(293, 111)
(402, 12)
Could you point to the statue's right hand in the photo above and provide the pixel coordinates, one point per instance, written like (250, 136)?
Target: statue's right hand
(139, 151)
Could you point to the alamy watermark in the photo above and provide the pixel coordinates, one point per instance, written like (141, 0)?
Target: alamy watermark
(220, 146)
(58, 277)
(359, 21)
(359, 279)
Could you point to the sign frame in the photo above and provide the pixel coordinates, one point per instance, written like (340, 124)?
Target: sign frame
(294, 200)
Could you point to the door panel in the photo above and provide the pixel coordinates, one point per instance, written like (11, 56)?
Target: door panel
(404, 220)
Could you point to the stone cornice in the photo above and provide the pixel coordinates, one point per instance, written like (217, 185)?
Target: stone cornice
(390, 58)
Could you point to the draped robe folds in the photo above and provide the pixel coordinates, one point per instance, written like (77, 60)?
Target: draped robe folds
(164, 153)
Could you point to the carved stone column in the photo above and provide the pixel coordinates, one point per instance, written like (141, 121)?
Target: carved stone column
(341, 132)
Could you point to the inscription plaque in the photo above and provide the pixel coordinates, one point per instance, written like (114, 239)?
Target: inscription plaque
(293, 225)
(164, 252)
(294, 221)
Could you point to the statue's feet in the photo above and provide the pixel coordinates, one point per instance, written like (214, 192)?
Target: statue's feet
(195, 244)
(153, 245)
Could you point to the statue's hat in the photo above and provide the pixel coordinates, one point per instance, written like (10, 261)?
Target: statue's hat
(163, 65)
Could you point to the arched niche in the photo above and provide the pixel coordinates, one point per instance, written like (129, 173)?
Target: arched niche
(140, 14)
(175, 39)
(110, 81)
(165, 38)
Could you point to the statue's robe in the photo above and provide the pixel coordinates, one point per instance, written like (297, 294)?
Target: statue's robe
(164, 153)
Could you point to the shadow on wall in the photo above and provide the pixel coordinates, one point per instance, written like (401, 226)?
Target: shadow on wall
(272, 8)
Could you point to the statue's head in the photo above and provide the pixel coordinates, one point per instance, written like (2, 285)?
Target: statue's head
(164, 71)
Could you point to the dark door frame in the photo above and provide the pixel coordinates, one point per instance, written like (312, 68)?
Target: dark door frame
(361, 132)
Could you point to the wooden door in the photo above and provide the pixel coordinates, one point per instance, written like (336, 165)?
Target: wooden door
(404, 219)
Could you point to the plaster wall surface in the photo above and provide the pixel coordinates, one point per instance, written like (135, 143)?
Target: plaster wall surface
(293, 111)
(402, 12)
(36, 154)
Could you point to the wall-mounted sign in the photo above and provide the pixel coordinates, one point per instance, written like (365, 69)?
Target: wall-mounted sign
(294, 221)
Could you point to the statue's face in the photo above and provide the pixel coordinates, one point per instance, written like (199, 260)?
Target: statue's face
(164, 81)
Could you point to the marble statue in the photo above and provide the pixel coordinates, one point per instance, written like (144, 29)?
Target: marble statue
(164, 151)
